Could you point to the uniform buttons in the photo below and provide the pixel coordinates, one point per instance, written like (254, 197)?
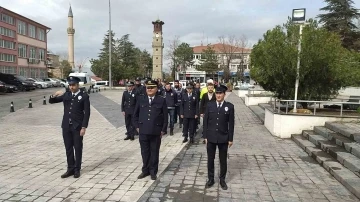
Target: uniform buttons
(217, 124)
(72, 99)
(149, 110)
(70, 108)
(148, 119)
(148, 114)
(217, 129)
(71, 103)
(217, 118)
(218, 113)
(69, 112)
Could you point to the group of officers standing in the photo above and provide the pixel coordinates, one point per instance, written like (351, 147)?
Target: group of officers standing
(147, 109)
(150, 108)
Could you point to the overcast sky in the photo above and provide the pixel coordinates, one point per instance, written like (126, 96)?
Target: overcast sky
(192, 20)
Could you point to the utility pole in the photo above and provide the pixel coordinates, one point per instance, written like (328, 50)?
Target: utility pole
(110, 44)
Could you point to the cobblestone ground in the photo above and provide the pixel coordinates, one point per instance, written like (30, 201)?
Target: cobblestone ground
(32, 157)
(260, 168)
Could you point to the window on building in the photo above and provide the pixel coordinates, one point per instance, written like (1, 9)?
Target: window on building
(41, 34)
(32, 53)
(7, 19)
(7, 32)
(43, 74)
(7, 44)
(7, 57)
(41, 54)
(7, 70)
(22, 51)
(23, 72)
(34, 72)
(32, 31)
(21, 27)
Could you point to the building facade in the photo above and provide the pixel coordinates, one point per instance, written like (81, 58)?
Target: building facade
(23, 45)
(158, 49)
(240, 59)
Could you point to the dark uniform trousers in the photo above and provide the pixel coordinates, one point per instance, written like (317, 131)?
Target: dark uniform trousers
(76, 116)
(218, 130)
(128, 106)
(189, 108)
(151, 119)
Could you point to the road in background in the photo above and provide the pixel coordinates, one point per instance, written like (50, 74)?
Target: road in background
(21, 99)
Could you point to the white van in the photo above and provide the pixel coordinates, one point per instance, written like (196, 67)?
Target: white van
(85, 79)
(99, 84)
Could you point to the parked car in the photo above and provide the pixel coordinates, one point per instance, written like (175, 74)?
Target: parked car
(52, 81)
(2, 87)
(9, 88)
(29, 85)
(63, 83)
(99, 84)
(39, 83)
(12, 80)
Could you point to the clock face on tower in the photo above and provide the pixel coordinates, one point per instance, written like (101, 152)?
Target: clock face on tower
(157, 35)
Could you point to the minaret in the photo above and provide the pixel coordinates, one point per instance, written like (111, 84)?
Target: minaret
(71, 32)
(158, 48)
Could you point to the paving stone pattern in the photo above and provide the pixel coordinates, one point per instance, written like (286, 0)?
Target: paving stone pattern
(32, 158)
(260, 168)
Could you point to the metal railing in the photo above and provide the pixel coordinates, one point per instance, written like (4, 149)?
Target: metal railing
(277, 105)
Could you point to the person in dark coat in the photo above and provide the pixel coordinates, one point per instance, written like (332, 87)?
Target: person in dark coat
(75, 121)
(128, 103)
(206, 98)
(151, 121)
(179, 91)
(171, 102)
(219, 123)
(189, 111)
(139, 89)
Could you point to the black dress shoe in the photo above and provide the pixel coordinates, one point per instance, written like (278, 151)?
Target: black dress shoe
(127, 138)
(191, 140)
(143, 175)
(132, 138)
(76, 174)
(67, 174)
(209, 183)
(180, 125)
(153, 177)
(204, 142)
(223, 185)
(185, 140)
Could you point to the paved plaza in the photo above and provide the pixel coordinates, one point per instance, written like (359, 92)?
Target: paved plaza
(261, 167)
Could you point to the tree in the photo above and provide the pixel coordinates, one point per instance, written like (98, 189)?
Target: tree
(340, 18)
(100, 66)
(170, 55)
(184, 55)
(325, 65)
(243, 43)
(144, 61)
(229, 48)
(209, 61)
(65, 68)
(127, 58)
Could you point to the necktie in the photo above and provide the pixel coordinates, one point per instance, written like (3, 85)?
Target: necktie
(219, 105)
(151, 99)
(73, 94)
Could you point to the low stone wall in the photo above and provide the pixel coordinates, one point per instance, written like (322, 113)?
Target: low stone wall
(284, 125)
(255, 99)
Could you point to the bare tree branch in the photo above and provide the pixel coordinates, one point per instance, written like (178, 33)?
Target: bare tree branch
(230, 46)
(170, 54)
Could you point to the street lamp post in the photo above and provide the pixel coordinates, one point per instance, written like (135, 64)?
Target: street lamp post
(298, 16)
(110, 44)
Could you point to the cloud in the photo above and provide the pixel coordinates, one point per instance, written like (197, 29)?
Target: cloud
(193, 21)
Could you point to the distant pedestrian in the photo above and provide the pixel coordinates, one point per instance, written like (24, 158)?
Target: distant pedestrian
(189, 111)
(207, 97)
(151, 121)
(170, 96)
(74, 123)
(128, 103)
(219, 123)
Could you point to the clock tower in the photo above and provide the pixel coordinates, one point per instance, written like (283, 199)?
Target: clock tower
(158, 47)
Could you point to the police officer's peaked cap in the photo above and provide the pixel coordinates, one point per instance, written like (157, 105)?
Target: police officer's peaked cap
(221, 89)
(130, 83)
(138, 79)
(189, 86)
(73, 80)
(152, 83)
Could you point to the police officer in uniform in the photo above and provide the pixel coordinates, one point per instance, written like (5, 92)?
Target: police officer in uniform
(218, 132)
(151, 121)
(189, 111)
(127, 108)
(171, 101)
(74, 123)
(140, 89)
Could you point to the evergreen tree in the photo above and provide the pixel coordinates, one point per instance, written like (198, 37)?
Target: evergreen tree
(184, 55)
(340, 18)
(209, 61)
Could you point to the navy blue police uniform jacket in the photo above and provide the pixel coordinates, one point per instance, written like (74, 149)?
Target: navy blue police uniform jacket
(128, 102)
(75, 108)
(151, 119)
(219, 125)
(171, 98)
(189, 107)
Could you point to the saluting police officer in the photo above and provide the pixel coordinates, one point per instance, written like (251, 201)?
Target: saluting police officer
(218, 131)
(189, 111)
(127, 108)
(74, 123)
(150, 120)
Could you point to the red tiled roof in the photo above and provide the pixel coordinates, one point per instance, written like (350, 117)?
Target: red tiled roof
(221, 48)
